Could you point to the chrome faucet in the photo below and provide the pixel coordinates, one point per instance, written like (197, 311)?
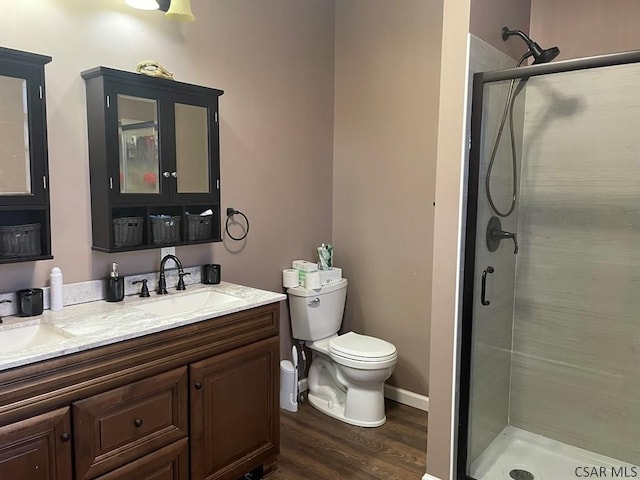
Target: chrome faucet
(162, 282)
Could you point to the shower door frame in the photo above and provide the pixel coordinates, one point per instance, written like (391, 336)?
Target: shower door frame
(473, 179)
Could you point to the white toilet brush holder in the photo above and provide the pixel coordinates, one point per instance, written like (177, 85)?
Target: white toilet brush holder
(288, 386)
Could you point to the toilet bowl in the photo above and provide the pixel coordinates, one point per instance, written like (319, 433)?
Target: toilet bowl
(347, 373)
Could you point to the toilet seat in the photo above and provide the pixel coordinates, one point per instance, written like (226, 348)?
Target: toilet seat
(362, 351)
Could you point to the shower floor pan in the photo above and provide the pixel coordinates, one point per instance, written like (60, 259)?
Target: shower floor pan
(520, 455)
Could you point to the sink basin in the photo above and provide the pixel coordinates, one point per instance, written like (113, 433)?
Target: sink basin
(22, 338)
(177, 303)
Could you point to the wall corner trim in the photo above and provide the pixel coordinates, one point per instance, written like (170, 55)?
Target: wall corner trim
(406, 397)
(429, 477)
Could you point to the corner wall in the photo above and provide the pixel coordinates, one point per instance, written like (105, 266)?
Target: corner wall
(386, 121)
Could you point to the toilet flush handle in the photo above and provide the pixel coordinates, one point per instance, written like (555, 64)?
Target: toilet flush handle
(314, 302)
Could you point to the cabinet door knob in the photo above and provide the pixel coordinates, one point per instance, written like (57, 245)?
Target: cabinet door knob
(174, 174)
(198, 385)
(65, 437)
(166, 174)
(138, 422)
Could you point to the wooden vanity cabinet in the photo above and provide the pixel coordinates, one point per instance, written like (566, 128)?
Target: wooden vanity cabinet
(37, 448)
(194, 402)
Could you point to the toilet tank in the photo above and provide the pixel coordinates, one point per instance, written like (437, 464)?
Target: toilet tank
(317, 314)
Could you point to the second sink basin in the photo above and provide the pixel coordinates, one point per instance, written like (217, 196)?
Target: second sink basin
(25, 337)
(177, 303)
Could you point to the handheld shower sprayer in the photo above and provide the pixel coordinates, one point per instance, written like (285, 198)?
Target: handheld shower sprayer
(539, 55)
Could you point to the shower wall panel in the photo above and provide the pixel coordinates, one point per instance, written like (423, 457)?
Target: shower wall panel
(575, 375)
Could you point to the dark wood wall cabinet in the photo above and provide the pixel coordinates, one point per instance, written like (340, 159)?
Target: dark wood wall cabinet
(198, 402)
(25, 231)
(154, 161)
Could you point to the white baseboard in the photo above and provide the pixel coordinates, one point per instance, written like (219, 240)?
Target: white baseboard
(429, 477)
(406, 397)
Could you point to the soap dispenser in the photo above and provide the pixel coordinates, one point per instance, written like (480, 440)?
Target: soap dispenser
(115, 285)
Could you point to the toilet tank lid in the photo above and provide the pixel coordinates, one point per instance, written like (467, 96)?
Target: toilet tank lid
(328, 288)
(352, 343)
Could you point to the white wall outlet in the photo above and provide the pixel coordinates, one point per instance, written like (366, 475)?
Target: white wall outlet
(164, 251)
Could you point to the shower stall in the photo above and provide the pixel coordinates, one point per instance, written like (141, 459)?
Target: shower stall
(550, 358)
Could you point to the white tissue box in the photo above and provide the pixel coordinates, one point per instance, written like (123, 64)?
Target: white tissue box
(303, 267)
(328, 276)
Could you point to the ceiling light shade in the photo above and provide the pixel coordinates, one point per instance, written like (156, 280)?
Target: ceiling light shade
(180, 10)
(143, 4)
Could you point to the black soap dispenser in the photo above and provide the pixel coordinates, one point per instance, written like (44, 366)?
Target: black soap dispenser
(115, 285)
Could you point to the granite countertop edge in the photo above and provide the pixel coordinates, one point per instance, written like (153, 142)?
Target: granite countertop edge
(100, 323)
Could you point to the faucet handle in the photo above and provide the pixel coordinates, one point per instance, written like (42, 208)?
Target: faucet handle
(144, 291)
(181, 285)
(6, 300)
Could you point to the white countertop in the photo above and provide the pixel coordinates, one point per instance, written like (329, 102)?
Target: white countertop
(99, 323)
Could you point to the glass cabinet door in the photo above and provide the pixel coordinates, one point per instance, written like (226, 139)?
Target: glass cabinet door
(15, 157)
(138, 136)
(192, 173)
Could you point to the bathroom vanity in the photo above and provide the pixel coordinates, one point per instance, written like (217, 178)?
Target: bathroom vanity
(180, 396)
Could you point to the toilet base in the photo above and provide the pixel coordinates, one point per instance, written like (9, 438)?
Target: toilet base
(336, 410)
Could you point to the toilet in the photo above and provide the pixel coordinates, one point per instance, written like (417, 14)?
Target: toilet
(347, 373)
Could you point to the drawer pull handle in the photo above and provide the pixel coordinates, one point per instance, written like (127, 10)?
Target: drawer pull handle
(198, 385)
(137, 422)
(65, 437)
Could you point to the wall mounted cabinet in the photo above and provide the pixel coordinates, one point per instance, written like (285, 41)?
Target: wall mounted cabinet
(154, 161)
(24, 173)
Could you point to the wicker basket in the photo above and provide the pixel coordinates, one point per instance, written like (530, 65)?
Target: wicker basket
(199, 227)
(127, 231)
(165, 229)
(20, 241)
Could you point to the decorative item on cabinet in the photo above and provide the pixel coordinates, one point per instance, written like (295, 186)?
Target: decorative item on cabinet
(154, 160)
(24, 194)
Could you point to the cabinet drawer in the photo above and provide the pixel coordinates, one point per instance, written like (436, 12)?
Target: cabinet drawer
(168, 463)
(121, 425)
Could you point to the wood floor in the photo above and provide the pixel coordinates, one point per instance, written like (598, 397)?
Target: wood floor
(316, 446)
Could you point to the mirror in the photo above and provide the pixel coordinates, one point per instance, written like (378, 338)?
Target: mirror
(138, 137)
(15, 162)
(192, 149)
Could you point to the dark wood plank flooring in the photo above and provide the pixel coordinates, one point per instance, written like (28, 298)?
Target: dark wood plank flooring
(316, 446)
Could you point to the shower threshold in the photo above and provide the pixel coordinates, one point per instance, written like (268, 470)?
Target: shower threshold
(518, 454)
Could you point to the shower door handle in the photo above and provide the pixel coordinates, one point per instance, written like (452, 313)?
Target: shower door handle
(483, 293)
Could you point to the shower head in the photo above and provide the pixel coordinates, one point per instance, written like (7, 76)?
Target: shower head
(539, 55)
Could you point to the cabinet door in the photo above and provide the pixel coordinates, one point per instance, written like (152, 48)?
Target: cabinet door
(235, 411)
(196, 175)
(23, 157)
(37, 448)
(139, 162)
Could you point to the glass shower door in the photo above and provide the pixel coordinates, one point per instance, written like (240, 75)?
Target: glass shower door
(550, 383)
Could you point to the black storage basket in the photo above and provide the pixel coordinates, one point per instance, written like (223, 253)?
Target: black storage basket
(20, 241)
(165, 229)
(199, 227)
(127, 231)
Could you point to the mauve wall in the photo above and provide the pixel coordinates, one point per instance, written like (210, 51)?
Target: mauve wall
(274, 60)
(386, 113)
(488, 17)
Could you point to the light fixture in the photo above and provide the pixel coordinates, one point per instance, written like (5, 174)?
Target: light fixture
(143, 4)
(180, 10)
